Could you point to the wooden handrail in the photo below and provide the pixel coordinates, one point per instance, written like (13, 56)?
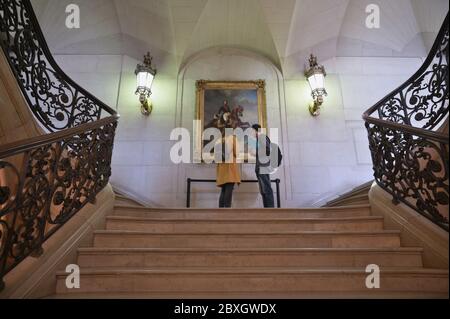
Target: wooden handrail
(24, 145)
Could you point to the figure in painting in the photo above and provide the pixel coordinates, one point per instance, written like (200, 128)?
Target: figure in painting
(236, 115)
(226, 117)
(220, 118)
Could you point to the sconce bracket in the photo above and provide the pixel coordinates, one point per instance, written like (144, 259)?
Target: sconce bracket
(146, 105)
(314, 107)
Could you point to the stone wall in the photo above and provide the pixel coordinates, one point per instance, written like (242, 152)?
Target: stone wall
(324, 156)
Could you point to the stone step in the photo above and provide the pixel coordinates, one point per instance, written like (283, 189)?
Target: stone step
(362, 199)
(244, 225)
(370, 294)
(258, 213)
(314, 239)
(120, 200)
(255, 280)
(235, 257)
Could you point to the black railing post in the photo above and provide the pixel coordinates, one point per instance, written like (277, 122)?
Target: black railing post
(188, 195)
(277, 181)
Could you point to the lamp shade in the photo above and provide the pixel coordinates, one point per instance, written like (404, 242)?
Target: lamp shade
(316, 78)
(316, 82)
(145, 74)
(144, 80)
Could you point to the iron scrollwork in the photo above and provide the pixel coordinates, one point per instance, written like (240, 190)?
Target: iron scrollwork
(43, 184)
(57, 181)
(56, 101)
(410, 156)
(423, 100)
(413, 169)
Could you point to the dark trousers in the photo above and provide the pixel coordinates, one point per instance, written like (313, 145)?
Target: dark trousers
(226, 195)
(265, 189)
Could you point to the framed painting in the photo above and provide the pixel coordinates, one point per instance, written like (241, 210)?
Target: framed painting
(243, 103)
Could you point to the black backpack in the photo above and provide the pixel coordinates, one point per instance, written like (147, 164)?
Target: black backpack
(273, 149)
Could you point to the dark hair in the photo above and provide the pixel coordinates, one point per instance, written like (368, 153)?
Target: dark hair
(256, 127)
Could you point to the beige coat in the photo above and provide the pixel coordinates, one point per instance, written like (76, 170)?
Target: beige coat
(229, 172)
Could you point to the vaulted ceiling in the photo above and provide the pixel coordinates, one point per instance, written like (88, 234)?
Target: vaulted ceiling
(285, 31)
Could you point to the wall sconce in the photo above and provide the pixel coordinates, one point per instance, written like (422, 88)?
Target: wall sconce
(316, 79)
(145, 75)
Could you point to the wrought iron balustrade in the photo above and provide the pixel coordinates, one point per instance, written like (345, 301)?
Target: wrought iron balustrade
(56, 100)
(46, 180)
(410, 152)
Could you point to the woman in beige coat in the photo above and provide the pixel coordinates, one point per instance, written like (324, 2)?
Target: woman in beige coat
(228, 173)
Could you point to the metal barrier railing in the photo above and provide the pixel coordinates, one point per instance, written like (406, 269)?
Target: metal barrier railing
(192, 180)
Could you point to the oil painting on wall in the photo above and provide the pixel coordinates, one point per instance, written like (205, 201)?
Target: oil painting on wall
(228, 104)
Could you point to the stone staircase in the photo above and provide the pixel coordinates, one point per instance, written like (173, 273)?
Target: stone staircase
(249, 253)
(122, 200)
(357, 196)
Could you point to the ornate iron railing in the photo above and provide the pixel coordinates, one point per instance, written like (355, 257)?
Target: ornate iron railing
(56, 100)
(410, 153)
(46, 180)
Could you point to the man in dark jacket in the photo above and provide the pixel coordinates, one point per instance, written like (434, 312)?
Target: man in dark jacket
(262, 167)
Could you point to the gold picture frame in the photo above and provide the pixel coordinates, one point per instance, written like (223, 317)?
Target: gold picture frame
(251, 88)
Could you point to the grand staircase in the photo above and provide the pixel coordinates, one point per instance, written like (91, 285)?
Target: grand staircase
(249, 253)
(53, 175)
